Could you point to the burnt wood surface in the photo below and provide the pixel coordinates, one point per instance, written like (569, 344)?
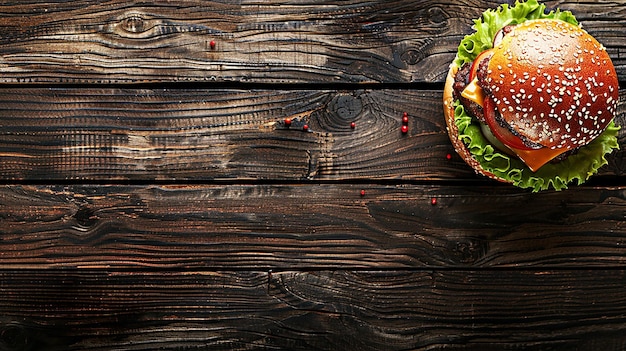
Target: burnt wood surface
(255, 41)
(203, 134)
(310, 227)
(208, 134)
(317, 310)
(152, 196)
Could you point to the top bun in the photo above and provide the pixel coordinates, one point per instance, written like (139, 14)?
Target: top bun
(553, 83)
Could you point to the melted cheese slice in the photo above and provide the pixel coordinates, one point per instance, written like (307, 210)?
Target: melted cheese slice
(474, 93)
(534, 159)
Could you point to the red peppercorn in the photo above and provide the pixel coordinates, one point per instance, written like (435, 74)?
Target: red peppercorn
(362, 192)
(404, 129)
(305, 127)
(212, 44)
(405, 119)
(352, 125)
(449, 156)
(433, 201)
(287, 122)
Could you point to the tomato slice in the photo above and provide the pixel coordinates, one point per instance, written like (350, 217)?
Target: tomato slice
(501, 133)
(476, 62)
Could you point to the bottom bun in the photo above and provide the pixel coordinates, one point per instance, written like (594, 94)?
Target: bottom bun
(453, 130)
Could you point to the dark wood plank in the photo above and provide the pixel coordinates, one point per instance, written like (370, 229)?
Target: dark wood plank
(329, 310)
(269, 41)
(233, 134)
(310, 227)
(196, 134)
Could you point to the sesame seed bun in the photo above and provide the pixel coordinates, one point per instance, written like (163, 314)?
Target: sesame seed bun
(553, 83)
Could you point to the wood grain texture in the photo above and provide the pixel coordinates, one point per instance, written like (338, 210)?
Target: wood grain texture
(270, 41)
(309, 227)
(152, 197)
(197, 134)
(324, 310)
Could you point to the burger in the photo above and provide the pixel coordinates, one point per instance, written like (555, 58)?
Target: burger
(530, 98)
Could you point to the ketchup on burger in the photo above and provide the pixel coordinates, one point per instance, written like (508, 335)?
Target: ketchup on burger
(530, 98)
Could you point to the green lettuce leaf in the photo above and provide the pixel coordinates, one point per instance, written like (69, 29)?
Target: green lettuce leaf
(576, 168)
(492, 21)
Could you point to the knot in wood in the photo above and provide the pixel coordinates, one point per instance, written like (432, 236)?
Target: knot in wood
(412, 56)
(134, 23)
(346, 106)
(432, 20)
(469, 251)
(13, 337)
(437, 15)
(85, 217)
(415, 54)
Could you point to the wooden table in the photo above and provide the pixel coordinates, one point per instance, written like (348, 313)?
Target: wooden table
(153, 196)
